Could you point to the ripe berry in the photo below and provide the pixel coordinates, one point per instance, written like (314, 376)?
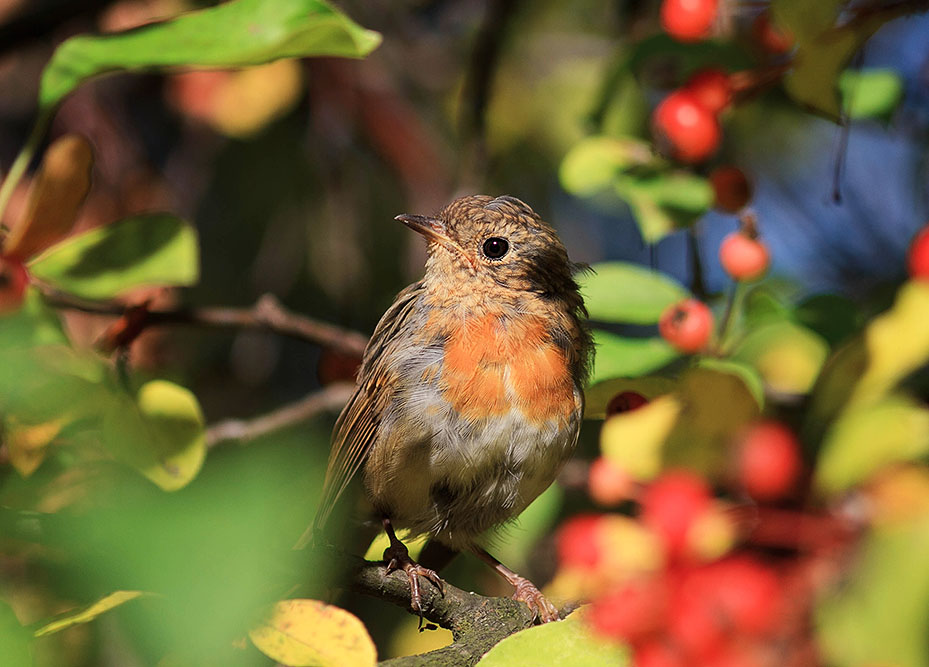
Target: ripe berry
(744, 257)
(607, 483)
(671, 506)
(625, 401)
(768, 461)
(687, 325)
(684, 128)
(745, 593)
(632, 612)
(917, 260)
(578, 542)
(688, 20)
(731, 189)
(13, 282)
(711, 89)
(657, 653)
(769, 36)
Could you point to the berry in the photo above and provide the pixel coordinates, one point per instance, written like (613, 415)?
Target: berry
(672, 504)
(770, 37)
(768, 461)
(607, 483)
(744, 257)
(731, 189)
(745, 593)
(688, 20)
(13, 282)
(578, 542)
(687, 325)
(684, 128)
(711, 89)
(632, 612)
(917, 260)
(657, 653)
(625, 401)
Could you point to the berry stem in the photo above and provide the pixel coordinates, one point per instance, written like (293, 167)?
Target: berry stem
(725, 324)
(698, 285)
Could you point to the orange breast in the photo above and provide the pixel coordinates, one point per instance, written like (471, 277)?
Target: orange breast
(494, 363)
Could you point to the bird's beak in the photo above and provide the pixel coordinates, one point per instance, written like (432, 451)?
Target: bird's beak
(432, 228)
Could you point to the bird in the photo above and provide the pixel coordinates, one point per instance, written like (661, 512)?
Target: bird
(469, 398)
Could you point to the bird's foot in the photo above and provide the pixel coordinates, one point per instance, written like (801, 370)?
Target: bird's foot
(541, 608)
(398, 558)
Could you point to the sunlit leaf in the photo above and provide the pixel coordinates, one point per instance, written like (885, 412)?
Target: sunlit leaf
(33, 323)
(788, 357)
(597, 396)
(593, 163)
(16, 645)
(663, 203)
(56, 195)
(870, 93)
(618, 356)
(252, 98)
(866, 438)
(568, 643)
(308, 632)
(634, 440)
(629, 293)
(414, 545)
(517, 541)
(160, 433)
(239, 33)
(155, 249)
(88, 613)
(27, 444)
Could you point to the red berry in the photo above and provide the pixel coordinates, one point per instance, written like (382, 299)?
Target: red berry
(688, 20)
(768, 461)
(687, 325)
(632, 612)
(745, 593)
(13, 282)
(625, 401)
(578, 542)
(731, 188)
(918, 257)
(607, 483)
(769, 36)
(657, 653)
(672, 504)
(711, 89)
(685, 129)
(744, 257)
(692, 622)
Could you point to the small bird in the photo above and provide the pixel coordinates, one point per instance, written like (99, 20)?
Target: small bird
(470, 394)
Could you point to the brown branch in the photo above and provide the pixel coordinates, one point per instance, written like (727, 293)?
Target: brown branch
(267, 314)
(332, 397)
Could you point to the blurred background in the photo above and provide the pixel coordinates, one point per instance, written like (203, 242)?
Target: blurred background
(292, 173)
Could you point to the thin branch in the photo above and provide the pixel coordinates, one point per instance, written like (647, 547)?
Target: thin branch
(267, 314)
(331, 398)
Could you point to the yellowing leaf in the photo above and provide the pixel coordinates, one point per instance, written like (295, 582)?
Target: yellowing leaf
(160, 434)
(56, 195)
(634, 440)
(380, 542)
(88, 613)
(788, 356)
(598, 396)
(254, 97)
(28, 444)
(308, 633)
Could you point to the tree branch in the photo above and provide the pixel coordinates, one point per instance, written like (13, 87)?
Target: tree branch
(332, 397)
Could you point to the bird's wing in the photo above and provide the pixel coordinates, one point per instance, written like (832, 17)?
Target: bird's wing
(357, 427)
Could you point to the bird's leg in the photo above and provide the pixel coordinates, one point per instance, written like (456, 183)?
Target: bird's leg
(526, 591)
(398, 558)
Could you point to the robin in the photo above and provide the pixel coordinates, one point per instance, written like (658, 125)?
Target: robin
(470, 394)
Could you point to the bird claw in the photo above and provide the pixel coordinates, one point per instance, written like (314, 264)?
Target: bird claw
(542, 609)
(398, 558)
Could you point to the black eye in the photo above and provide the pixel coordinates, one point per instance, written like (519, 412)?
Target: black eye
(495, 247)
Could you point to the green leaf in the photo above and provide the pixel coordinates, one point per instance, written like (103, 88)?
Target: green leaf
(155, 249)
(568, 643)
(618, 356)
(239, 33)
(870, 93)
(628, 293)
(745, 372)
(33, 323)
(160, 433)
(88, 613)
(866, 438)
(662, 203)
(15, 640)
(598, 396)
(788, 356)
(831, 316)
(593, 163)
(518, 539)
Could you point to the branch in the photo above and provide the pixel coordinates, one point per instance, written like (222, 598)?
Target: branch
(267, 314)
(332, 397)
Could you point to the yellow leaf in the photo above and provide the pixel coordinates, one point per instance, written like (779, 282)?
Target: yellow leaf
(252, 98)
(787, 356)
(634, 440)
(54, 199)
(88, 613)
(305, 633)
(27, 444)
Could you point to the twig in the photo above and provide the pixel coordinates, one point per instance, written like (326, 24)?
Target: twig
(267, 314)
(332, 397)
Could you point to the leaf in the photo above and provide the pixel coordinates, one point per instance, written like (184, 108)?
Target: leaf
(831, 316)
(54, 199)
(629, 293)
(593, 163)
(866, 438)
(665, 202)
(870, 93)
(32, 324)
(88, 613)
(788, 357)
(598, 396)
(748, 375)
(16, 645)
(308, 632)
(634, 440)
(239, 33)
(27, 444)
(160, 433)
(102, 263)
(253, 98)
(618, 356)
(567, 643)
(518, 539)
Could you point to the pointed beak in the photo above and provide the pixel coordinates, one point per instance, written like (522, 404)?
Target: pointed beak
(431, 228)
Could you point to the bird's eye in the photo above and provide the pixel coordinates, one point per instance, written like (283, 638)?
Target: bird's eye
(495, 247)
